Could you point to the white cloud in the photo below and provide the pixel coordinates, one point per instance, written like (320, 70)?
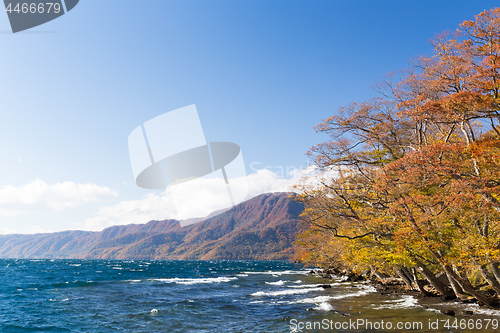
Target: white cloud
(151, 207)
(11, 212)
(8, 231)
(39, 195)
(314, 178)
(196, 198)
(33, 229)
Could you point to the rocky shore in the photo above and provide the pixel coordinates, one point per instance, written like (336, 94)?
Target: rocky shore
(397, 286)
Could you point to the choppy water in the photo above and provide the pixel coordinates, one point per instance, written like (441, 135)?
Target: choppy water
(207, 296)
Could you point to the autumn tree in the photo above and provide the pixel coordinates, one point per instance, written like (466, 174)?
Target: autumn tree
(417, 187)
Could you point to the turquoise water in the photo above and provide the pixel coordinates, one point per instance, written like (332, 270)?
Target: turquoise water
(205, 296)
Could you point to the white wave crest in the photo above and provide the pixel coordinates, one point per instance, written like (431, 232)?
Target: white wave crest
(277, 283)
(405, 302)
(279, 273)
(314, 300)
(488, 312)
(364, 291)
(285, 292)
(197, 281)
(322, 299)
(324, 307)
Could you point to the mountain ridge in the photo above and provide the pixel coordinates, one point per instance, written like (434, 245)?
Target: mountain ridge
(264, 227)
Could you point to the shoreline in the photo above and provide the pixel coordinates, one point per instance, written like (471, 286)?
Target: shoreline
(396, 286)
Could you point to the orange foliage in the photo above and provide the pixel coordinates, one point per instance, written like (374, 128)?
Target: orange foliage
(418, 169)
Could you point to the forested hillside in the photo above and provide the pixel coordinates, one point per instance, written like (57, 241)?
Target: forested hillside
(264, 227)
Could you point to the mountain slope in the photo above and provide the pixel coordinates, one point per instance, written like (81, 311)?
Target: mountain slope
(263, 227)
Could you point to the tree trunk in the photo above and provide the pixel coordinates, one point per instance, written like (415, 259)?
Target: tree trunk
(407, 273)
(494, 270)
(456, 287)
(464, 283)
(490, 278)
(379, 275)
(405, 278)
(419, 284)
(452, 276)
(435, 283)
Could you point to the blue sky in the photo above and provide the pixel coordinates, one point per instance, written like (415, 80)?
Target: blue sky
(261, 73)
